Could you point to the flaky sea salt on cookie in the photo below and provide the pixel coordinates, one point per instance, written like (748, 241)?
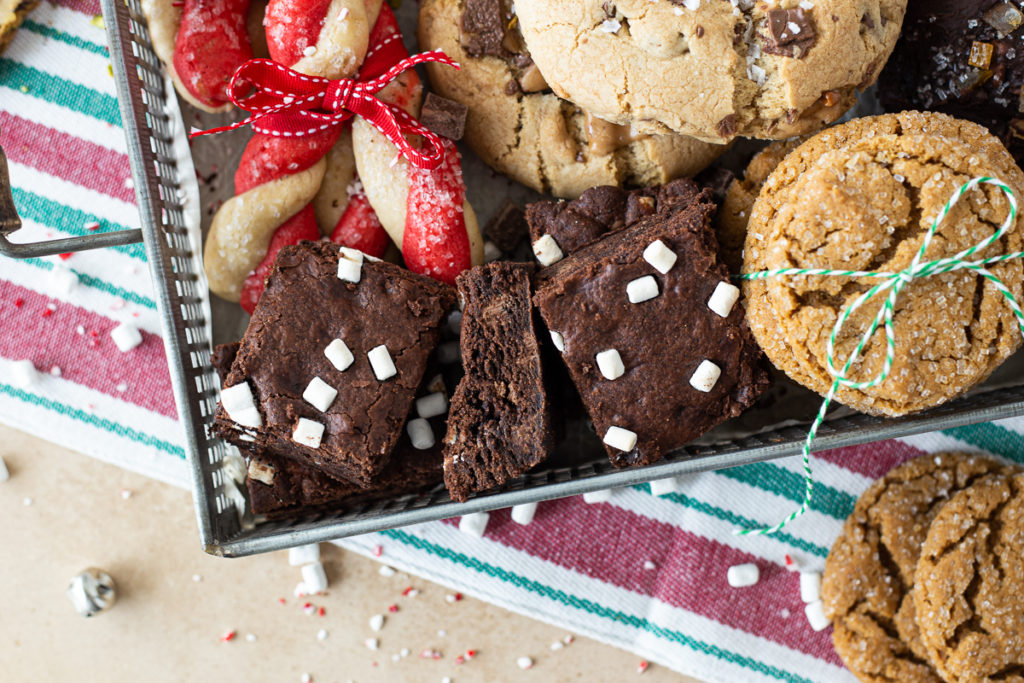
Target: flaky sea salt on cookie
(862, 196)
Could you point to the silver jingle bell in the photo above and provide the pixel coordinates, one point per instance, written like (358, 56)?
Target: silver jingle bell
(92, 591)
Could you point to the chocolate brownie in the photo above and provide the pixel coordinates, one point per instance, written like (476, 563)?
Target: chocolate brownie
(279, 487)
(604, 209)
(651, 329)
(328, 367)
(499, 425)
(964, 58)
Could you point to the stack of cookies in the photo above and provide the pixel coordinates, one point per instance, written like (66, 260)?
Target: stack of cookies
(924, 582)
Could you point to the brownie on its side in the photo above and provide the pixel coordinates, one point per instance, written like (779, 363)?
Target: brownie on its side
(499, 424)
(279, 487)
(328, 367)
(651, 330)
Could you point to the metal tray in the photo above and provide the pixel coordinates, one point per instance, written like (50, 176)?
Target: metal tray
(155, 137)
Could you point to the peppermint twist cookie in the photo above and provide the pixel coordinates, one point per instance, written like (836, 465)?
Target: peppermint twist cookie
(523, 130)
(862, 196)
(710, 68)
(969, 584)
(868, 586)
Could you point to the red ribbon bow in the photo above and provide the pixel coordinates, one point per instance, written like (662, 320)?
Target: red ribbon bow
(286, 103)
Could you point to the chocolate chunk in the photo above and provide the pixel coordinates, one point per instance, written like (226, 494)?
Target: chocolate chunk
(508, 227)
(727, 126)
(443, 116)
(790, 33)
(483, 27)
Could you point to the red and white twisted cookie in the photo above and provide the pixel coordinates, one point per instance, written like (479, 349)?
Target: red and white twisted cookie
(425, 212)
(279, 177)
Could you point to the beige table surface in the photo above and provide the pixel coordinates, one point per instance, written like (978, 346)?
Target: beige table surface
(63, 512)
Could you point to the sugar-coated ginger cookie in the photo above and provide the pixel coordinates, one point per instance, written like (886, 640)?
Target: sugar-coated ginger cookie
(712, 69)
(861, 196)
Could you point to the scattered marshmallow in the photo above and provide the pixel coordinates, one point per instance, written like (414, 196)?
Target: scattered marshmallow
(558, 340)
(724, 298)
(523, 514)
(660, 256)
(126, 337)
(314, 578)
(420, 434)
(380, 360)
(338, 353)
(743, 575)
(5, 474)
(64, 279)
(524, 663)
(304, 554)
(308, 433)
(815, 613)
(376, 622)
(432, 405)
(663, 487)
(547, 251)
(474, 523)
(319, 394)
(371, 643)
(705, 377)
(791, 564)
(23, 374)
(810, 586)
(491, 252)
(239, 405)
(610, 364)
(620, 438)
(602, 496)
(322, 634)
(642, 289)
(350, 265)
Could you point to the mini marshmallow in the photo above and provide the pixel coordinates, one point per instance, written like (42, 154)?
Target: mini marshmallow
(663, 487)
(724, 298)
(126, 337)
(308, 433)
(338, 353)
(319, 394)
(602, 496)
(350, 265)
(810, 586)
(304, 554)
(23, 374)
(420, 434)
(261, 471)
(239, 405)
(5, 474)
(314, 578)
(432, 405)
(491, 252)
(743, 575)
(547, 251)
(455, 322)
(660, 256)
(610, 364)
(642, 289)
(376, 622)
(474, 524)
(706, 376)
(380, 360)
(64, 279)
(620, 438)
(523, 514)
(815, 613)
(558, 340)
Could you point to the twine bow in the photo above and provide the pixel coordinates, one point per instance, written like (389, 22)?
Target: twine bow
(285, 103)
(894, 283)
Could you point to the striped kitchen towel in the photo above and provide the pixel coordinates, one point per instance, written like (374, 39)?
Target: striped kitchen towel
(641, 572)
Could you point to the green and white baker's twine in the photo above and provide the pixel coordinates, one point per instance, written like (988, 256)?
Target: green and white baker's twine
(894, 283)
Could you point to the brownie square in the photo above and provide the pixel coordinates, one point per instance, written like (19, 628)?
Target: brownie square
(658, 345)
(499, 424)
(305, 308)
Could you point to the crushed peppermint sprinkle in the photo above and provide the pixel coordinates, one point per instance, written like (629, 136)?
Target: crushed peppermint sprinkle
(306, 678)
(791, 564)
(378, 550)
(642, 666)
(431, 654)
(392, 607)
(557, 645)
(250, 637)
(377, 622)
(228, 637)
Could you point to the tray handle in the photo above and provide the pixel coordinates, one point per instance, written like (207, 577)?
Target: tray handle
(11, 222)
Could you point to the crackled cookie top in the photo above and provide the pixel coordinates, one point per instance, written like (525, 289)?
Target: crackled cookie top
(969, 583)
(710, 68)
(861, 197)
(869, 576)
(523, 130)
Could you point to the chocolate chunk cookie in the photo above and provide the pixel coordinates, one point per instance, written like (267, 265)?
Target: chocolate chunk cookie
(868, 587)
(714, 70)
(521, 129)
(969, 583)
(861, 196)
(964, 58)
